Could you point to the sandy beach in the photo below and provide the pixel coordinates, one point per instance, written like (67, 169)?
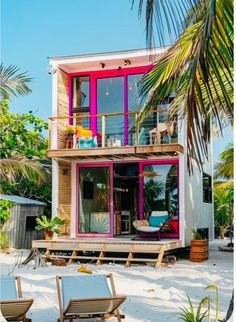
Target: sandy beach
(153, 295)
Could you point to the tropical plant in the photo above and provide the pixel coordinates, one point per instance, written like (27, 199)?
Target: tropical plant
(22, 148)
(198, 67)
(222, 207)
(203, 308)
(12, 82)
(4, 242)
(49, 224)
(4, 210)
(224, 168)
(196, 235)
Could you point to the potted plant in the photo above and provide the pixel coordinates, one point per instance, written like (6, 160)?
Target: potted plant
(199, 247)
(49, 226)
(70, 130)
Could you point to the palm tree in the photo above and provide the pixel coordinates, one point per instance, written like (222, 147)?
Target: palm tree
(198, 67)
(13, 83)
(14, 168)
(222, 208)
(224, 169)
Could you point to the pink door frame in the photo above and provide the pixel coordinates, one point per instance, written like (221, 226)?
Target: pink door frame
(141, 163)
(93, 76)
(89, 165)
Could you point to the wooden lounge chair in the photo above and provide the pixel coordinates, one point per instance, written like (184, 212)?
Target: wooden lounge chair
(84, 297)
(13, 306)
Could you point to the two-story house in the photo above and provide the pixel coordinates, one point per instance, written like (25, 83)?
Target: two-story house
(120, 171)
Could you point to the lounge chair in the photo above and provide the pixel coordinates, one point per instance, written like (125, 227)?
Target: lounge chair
(154, 225)
(13, 306)
(88, 297)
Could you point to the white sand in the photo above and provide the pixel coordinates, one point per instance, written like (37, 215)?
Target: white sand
(153, 295)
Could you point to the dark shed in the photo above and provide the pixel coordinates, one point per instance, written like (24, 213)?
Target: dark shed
(20, 227)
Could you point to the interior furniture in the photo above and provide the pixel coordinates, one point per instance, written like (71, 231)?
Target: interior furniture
(160, 130)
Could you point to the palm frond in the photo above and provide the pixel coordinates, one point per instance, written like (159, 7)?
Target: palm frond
(15, 168)
(12, 82)
(225, 166)
(164, 18)
(199, 69)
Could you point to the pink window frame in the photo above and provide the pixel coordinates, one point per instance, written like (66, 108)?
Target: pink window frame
(141, 183)
(97, 165)
(93, 76)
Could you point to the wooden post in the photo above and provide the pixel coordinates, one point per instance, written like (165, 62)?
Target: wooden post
(160, 256)
(103, 130)
(71, 260)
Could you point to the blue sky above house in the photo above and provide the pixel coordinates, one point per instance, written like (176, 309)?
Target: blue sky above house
(33, 30)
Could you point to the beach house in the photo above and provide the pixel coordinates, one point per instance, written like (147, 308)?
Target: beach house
(109, 170)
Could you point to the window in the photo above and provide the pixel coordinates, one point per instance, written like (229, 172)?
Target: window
(80, 96)
(160, 188)
(207, 189)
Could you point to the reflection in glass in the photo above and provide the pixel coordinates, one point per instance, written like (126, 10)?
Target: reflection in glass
(94, 197)
(80, 92)
(135, 103)
(110, 99)
(160, 190)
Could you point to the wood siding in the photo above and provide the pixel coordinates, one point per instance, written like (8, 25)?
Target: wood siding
(64, 195)
(62, 107)
(15, 227)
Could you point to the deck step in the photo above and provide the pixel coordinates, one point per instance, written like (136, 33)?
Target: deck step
(102, 258)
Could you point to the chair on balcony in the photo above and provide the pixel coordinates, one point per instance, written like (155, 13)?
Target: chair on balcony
(160, 130)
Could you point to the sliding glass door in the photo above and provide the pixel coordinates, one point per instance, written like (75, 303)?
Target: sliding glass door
(110, 99)
(94, 200)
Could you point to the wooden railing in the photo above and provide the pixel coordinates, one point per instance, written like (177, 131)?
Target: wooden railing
(113, 129)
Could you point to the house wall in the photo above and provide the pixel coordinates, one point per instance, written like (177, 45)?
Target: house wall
(62, 107)
(15, 227)
(198, 214)
(64, 195)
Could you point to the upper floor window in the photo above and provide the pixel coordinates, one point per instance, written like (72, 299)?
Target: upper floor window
(207, 188)
(80, 94)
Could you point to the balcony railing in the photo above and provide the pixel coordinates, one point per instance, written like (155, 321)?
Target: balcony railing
(112, 130)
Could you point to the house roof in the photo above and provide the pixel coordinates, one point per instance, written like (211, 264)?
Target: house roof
(110, 60)
(22, 200)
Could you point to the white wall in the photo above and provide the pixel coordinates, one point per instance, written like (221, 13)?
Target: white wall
(198, 214)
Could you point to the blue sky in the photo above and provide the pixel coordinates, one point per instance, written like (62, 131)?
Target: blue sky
(33, 30)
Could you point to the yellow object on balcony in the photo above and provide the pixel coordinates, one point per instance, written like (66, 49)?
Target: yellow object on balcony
(81, 131)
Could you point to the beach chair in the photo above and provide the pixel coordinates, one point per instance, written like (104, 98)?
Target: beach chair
(89, 296)
(13, 306)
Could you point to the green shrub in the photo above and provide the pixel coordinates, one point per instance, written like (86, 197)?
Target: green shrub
(4, 243)
(4, 210)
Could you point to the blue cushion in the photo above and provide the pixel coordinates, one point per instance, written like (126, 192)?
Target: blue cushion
(7, 288)
(155, 221)
(80, 287)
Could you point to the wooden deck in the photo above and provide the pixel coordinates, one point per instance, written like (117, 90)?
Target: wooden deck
(124, 152)
(126, 249)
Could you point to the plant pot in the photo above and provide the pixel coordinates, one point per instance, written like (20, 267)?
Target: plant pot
(47, 234)
(199, 250)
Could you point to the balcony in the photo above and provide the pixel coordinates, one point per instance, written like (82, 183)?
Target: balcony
(113, 136)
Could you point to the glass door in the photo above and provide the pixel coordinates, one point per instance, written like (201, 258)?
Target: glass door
(95, 200)
(110, 99)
